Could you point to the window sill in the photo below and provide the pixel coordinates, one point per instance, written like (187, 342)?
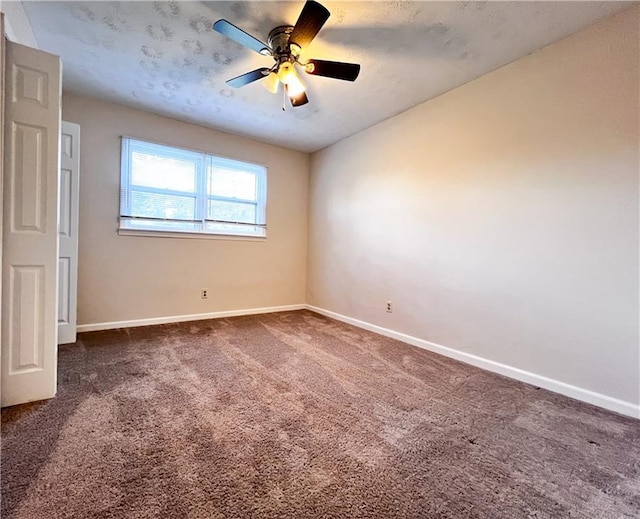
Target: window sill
(189, 235)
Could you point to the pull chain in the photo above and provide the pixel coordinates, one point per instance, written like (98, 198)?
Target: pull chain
(284, 98)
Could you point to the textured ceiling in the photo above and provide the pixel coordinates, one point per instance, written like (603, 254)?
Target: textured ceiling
(164, 57)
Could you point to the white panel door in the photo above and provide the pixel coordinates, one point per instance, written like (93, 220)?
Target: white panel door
(30, 224)
(3, 44)
(68, 231)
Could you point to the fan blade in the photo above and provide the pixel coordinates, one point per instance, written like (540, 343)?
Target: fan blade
(310, 21)
(299, 100)
(239, 36)
(334, 69)
(249, 77)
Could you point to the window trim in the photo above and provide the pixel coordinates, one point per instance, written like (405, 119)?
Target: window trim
(201, 195)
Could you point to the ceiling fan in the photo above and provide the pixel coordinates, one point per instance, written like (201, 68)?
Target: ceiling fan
(285, 44)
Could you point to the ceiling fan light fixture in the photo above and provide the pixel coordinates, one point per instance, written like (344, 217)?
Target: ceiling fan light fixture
(295, 87)
(288, 76)
(271, 83)
(286, 72)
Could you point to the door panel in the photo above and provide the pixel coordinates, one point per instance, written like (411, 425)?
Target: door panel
(30, 226)
(68, 232)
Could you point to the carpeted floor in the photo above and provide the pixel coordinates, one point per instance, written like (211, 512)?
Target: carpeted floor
(293, 415)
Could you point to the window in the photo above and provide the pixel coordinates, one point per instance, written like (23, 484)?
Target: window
(166, 189)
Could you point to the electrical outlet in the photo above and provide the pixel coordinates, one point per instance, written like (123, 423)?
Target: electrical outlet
(204, 293)
(389, 307)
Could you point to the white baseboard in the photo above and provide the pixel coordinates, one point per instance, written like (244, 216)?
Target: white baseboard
(182, 318)
(585, 395)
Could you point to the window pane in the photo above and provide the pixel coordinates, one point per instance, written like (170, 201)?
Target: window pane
(163, 172)
(231, 211)
(231, 183)
(156, 205)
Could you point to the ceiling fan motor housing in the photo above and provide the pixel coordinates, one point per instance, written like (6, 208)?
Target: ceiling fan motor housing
(279, 43)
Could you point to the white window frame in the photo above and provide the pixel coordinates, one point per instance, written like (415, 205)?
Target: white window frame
(200, 226)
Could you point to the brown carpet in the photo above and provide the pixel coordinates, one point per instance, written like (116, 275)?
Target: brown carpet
(293, 415)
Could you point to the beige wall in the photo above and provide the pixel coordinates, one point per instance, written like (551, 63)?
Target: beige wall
(500, 218)
(132, 277)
